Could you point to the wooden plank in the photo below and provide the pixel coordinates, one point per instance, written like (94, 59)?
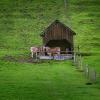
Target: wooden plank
(46, 57)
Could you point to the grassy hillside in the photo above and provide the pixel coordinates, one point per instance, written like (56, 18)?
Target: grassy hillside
(21, 22)
(85, 21)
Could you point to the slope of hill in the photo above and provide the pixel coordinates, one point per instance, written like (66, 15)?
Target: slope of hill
(21, 22)
(85, 20)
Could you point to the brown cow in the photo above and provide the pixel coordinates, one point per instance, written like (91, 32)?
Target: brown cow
(51, 51)
(55, 50)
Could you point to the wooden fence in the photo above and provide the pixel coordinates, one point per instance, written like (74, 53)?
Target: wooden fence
(59, 55)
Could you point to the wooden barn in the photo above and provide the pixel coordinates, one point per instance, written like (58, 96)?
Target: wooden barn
(58, 35)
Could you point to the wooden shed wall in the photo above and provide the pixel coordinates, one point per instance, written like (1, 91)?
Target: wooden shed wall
(58, 32)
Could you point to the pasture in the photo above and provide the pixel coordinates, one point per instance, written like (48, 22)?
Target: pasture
(47, 81)
(21, 23)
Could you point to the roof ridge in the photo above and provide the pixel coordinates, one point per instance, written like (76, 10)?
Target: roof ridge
(56, 21)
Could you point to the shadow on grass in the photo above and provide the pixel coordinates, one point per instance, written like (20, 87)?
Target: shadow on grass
(88, 53)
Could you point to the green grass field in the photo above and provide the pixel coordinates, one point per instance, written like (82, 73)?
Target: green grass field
(46, 81)
(21, 22)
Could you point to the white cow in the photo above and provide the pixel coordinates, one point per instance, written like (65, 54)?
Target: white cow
(34, 50)
(39, 51)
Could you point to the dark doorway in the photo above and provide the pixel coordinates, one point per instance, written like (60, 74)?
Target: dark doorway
(63, 44)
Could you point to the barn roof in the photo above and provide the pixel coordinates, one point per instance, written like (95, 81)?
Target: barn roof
(54, 23)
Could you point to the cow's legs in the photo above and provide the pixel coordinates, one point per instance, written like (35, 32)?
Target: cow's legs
(36, 55)
(32, 54)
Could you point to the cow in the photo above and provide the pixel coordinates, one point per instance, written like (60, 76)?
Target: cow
(34, 50)
(51, 51)
(47, 50)
(55, 50)
(42, 50)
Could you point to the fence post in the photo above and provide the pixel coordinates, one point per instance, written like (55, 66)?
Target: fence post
(93, 76)
(74, 57)
(81, 63)
(86, 71)
(76, 62)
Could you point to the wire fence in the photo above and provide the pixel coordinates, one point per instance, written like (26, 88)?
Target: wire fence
(89, 72)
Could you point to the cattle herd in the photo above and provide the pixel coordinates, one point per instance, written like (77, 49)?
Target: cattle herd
(55, 53)
(44, 51)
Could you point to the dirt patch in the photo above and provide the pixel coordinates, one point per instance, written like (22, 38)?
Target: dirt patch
(8, 58)
(24, 59)
(21, 59)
